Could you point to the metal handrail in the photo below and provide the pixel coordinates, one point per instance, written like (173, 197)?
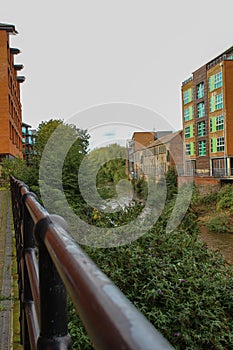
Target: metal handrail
(110, 319)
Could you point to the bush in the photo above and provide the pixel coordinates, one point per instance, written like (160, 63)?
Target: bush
(183, 289)
(220, 223)
(225, 198)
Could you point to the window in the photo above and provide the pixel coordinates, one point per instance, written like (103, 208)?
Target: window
(187, 149)
(190, 149)
(188, 113)
(216, 102)
(202, 148)
(217, 144)
(201, 129)
(220, 123)
(218, 80)
(200, 109)
(217, 123)
(220, 144)
(187, 132)
(200, 90)
(188, 96)
(215, 81)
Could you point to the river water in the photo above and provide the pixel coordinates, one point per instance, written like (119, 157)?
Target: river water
(222, 242)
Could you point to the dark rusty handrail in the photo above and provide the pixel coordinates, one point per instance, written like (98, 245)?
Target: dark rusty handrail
(111, 320)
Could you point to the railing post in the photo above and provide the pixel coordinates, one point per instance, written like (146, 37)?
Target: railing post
(53, 303)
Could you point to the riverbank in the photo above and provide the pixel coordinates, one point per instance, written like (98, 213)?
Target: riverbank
(222, 242)
(215, 221)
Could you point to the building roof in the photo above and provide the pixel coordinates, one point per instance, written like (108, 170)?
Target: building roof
(225, 55)
(10, 28)
(26, 125)
(143, 132)
(164, 139)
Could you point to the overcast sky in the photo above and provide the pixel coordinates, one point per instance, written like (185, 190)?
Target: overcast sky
(79, 54)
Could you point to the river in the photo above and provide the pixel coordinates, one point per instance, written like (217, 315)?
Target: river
(222, 242)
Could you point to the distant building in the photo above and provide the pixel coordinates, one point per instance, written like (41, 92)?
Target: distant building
(10, 105)
(159, 156)
(28, 141)
(207, 110)
(140, 140)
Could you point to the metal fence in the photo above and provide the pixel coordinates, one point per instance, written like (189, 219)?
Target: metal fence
(50, 264)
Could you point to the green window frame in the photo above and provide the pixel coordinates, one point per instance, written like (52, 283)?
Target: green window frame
(202, 148)
(188, 113)
(188, 96)
(215, 81)
(200, 110)
(213, 145)
(201, 129)
(216, 102)
(189, 131)
(200, 90)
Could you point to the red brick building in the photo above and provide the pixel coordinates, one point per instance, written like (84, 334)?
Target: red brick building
(10, 105)
(207, 108)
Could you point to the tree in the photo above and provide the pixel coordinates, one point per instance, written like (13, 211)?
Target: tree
(111, 163)
(16, 167)
(44, 131)
(60, 148)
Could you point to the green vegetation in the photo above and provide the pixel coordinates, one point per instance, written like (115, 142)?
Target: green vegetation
(184, 289)
(218, 209)
(110, 162)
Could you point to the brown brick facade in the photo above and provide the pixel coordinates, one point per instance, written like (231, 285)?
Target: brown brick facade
(10, 106)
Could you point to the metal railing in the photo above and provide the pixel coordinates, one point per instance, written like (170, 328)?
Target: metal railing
(222, 172)
(50, 264)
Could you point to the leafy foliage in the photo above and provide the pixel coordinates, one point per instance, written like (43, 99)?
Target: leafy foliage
(220, 223)
(184, 289)
(110, 161)
(225, 198)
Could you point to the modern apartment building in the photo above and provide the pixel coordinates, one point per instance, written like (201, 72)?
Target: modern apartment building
(10, 106)
(28, 141)
(207, 109)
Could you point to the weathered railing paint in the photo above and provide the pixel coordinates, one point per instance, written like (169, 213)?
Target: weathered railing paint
(111, 320)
